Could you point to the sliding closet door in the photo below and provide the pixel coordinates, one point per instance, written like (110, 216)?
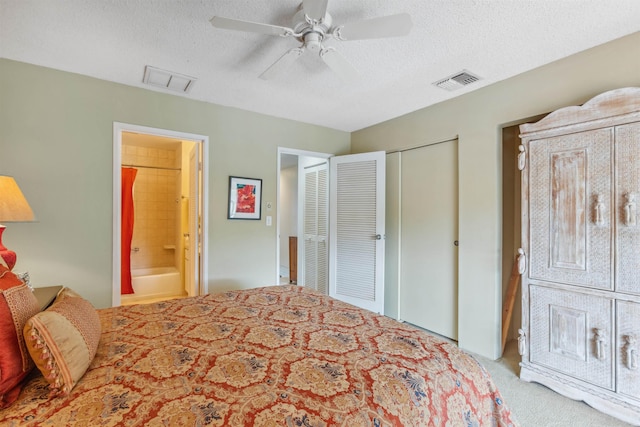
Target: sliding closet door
(429, 228)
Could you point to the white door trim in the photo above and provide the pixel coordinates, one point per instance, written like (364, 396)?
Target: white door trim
(118, 129)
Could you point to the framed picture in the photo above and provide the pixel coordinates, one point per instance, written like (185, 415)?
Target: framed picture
(245, 198)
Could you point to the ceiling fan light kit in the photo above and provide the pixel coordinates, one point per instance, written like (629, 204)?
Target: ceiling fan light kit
(312, 25)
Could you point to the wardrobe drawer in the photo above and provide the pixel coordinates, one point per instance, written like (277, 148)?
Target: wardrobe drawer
(572, 333)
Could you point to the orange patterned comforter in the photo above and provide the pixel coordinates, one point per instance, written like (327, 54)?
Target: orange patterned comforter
(281, 355)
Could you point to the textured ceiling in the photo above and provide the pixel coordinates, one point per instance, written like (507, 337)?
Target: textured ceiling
(495, 39)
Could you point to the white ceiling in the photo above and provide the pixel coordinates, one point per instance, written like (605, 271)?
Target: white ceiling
(495, 39)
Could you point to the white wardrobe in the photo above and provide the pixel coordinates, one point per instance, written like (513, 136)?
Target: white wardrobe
(581, 240)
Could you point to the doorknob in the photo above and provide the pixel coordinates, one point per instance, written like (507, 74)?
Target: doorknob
(378, 236)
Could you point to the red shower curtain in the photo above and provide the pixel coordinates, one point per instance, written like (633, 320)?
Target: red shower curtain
(128, 177)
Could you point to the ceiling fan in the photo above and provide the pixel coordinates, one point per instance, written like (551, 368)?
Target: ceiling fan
(312, 25)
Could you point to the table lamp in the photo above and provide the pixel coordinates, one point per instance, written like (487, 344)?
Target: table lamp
(13, 208)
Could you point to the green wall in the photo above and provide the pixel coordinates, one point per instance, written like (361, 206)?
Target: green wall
(476, 119)
(56, 139)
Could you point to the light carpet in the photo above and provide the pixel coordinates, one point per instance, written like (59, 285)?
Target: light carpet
(535, 405)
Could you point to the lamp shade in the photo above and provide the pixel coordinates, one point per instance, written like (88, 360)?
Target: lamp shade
(13, 208)
(13, 205)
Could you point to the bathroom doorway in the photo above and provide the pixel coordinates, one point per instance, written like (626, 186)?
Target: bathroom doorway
(159, 214)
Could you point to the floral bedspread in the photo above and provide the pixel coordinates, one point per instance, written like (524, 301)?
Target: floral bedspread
(274, 356)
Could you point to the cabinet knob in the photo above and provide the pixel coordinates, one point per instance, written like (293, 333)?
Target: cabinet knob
(631, 351)
(522, 261)
(522, 342)
(629, 210)
(599, 211)
(600, 345)
(522, 157)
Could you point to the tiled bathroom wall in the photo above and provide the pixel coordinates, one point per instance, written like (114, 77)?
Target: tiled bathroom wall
(156, 198)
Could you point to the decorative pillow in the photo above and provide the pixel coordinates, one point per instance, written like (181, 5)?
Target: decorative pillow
(63, 340)
(17, 305)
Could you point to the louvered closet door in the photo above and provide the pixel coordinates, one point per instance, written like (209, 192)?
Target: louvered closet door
(356, 269)
(315, 225)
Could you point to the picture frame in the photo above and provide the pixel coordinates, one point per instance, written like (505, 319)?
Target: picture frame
(245, 198)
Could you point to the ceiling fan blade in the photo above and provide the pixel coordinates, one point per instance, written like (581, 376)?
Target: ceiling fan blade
(282, 63)
(384, 26)
(339, 64)
(252, 27)
(315, 9)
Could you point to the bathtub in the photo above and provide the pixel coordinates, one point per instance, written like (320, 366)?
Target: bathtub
(156, 282)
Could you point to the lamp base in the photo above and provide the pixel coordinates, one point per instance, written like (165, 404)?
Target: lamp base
(7, 258)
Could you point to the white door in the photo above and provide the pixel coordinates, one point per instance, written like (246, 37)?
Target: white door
(429, 221)
(307, 220)
(357, 213)
(315, 227)
(192, 256)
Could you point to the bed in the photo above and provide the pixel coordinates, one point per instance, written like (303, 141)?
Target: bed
(278, 355)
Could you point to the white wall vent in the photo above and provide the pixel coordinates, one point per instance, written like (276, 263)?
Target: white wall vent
(457, 80)
(167, 79)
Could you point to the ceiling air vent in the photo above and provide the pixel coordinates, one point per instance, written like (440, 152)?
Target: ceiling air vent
(167, 79)
(457, 80)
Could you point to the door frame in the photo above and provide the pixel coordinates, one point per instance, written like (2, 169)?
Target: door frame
(118, 129)
(299, 153)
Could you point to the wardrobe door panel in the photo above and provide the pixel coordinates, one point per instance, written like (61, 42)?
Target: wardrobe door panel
(628, 195)
(570, 190)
